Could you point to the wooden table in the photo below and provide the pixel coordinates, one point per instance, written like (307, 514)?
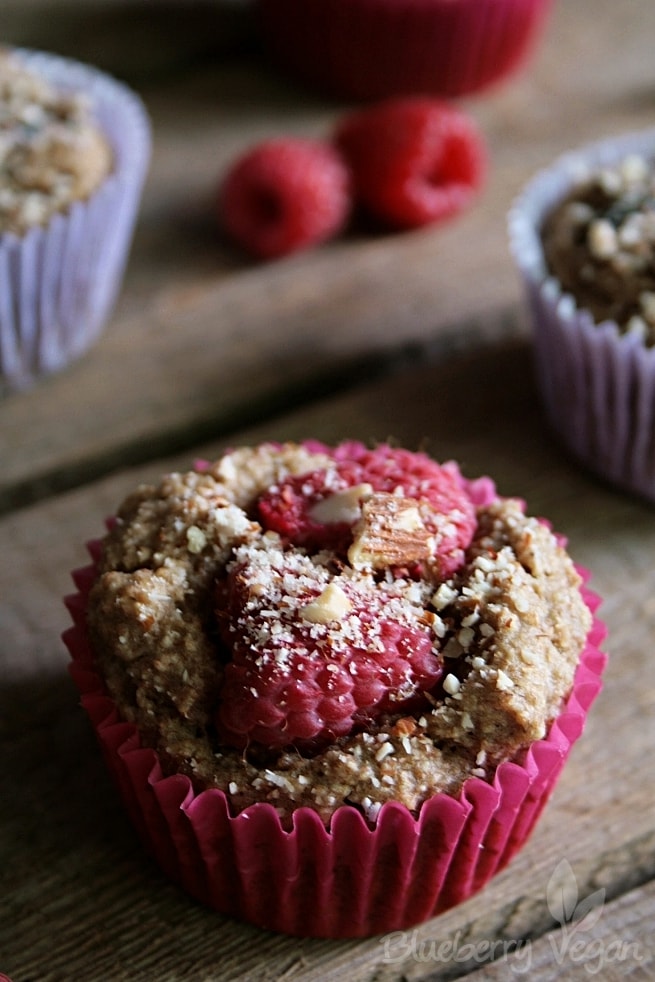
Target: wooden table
(419, 337)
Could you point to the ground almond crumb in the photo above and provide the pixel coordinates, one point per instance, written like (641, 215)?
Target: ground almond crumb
(599, 243)
(52, 153)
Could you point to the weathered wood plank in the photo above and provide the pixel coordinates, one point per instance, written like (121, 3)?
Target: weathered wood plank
(202, 344)
(79, 899)
(202, 340)
(619, 945)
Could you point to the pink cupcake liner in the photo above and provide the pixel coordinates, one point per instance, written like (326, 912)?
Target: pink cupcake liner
(353, 879)
(58, 282)
(597, 385)
(366, 49)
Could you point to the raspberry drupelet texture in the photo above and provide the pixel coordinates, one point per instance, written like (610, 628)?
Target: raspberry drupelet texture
(318, 510)
(313, 655)
(414, 160)
(326, 639)
(284, 195)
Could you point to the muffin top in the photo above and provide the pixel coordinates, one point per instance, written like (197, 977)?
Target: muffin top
(599, 243)
(308, 625)
(51, 151)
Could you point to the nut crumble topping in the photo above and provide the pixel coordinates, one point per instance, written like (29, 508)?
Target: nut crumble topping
(599, 243)
(51, 152)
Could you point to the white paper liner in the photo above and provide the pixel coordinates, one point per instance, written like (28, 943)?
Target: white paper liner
(598, 385)
(58, 282)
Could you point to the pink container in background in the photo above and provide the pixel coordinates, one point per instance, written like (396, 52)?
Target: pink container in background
(370, 49)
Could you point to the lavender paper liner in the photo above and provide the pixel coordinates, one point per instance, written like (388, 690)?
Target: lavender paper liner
(597, 385)
(59, 282)
(376, 48)
(352, 879)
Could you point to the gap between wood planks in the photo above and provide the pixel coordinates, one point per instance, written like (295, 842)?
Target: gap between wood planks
(335, 380)
(194, 432)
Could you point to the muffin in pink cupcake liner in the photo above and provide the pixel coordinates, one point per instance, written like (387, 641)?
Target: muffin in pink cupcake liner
(368, 49)
(597, 382)
(58, 281)
(352, 876)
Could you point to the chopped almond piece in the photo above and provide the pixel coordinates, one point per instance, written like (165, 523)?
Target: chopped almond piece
(389, 533)
(331, 605)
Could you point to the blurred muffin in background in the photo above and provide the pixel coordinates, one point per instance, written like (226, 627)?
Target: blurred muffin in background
(583, 237)
(74, 147)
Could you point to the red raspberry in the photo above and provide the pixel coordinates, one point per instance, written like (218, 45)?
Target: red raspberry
(295, 680)
(290, 508)
(414, 160)
(284, 195)
(287, 510)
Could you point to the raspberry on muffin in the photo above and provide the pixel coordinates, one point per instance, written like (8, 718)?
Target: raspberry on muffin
(318, 510)
(315, 656)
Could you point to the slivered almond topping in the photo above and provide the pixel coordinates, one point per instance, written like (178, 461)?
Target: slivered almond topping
(451, 684)
(342, 506)
(331, 605)
(390, 532)
(503, 681)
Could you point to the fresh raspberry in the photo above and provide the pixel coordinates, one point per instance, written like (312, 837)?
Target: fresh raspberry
(287, 509)
(291, 507)
(414, 160)
(302, 681)
(284, 195)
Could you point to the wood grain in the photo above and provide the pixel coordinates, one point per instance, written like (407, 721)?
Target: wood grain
(203, 341)
(419, 338)
(619, 946)
(80, 900)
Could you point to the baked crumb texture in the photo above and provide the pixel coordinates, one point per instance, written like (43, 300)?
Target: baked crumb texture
(508, 627)
(599, 243)
(51, 151)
